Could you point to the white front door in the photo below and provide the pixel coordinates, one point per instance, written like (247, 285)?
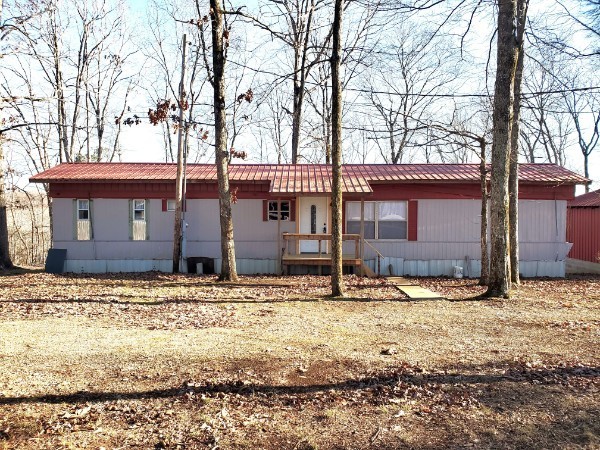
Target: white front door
(313, 220)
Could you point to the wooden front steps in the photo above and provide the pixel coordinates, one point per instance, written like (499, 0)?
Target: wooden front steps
(367, 270)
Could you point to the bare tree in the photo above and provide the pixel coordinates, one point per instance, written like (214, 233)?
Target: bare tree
(5, 260)
(402, 92)
(460, 133)
(219, 35)
(499, 282)
(579, 105)
(513, 177)
(358, 46)
(337, 281)
(544, 129)
(275, 126)
(301, 26)
(14, 23)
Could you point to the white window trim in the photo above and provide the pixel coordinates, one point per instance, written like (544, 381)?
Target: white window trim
(173, 203)
(289, 211)
(83, 209)
(376, 220)
(137, 209)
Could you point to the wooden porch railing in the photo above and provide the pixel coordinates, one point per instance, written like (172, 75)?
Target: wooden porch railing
(291, 254)
(379, 256)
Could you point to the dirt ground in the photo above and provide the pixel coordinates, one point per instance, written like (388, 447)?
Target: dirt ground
(156, 361)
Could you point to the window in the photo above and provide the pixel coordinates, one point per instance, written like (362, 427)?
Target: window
(139, 210)
(391, 220)
(82, 219)
(353, 219)
(83, 210)
(168, 205)
(383, 220)
(138, 220)
(275, 212)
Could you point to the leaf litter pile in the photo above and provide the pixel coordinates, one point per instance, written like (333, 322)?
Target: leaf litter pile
(173, 362)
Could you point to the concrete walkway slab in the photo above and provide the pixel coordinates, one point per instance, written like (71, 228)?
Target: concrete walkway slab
(419, 293)
(400, 281)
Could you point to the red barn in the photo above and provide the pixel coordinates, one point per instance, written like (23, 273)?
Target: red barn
(583, 227)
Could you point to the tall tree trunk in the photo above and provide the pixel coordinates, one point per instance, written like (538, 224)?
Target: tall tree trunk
(337, 282)
(5, 261)
(513, 180)
(296, 120)
(499, 280)
(228, 267)
(586, 171)
(485, 259)
(301, 70)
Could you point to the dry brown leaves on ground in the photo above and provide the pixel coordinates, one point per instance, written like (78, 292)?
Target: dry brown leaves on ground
(183, 362)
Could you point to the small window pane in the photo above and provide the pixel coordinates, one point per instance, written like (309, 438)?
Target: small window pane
(83, 210)
(171, 205)
(353, 227)
(392, 230)
(139, 207)
(353, 210)
(392, 211)
(274, 212)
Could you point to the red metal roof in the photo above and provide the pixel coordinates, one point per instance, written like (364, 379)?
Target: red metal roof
(591, 199)
(299, 178)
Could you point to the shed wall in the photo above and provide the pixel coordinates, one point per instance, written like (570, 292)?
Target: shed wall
(584, 232)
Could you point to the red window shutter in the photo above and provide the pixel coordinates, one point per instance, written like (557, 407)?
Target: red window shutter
(413, 212)
(292, 210)
(164, 204)
(265, 210)
(343, 217)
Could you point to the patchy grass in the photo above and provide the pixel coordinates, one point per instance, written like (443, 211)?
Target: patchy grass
(168, 361)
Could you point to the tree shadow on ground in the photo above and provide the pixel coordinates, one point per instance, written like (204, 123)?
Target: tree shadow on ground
(21, 271)
(151, 301)
(517, 407)
(474, 376)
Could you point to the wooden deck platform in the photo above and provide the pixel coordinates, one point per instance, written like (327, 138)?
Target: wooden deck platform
(315, 259)
(291, 255)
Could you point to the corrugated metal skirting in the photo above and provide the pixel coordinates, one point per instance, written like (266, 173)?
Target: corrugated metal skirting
(389, 266)
(118, 265)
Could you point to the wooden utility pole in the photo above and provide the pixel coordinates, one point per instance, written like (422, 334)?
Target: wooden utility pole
(177, 231)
